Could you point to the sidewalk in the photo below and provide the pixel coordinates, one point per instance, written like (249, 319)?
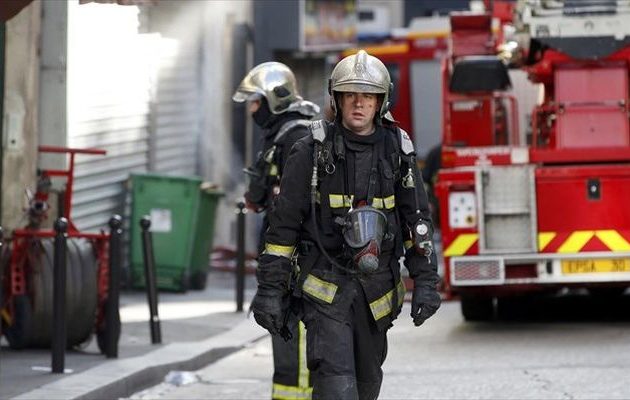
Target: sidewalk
(198, 328)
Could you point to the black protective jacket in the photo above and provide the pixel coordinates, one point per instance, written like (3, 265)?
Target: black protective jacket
(276, 144)
(344, 163)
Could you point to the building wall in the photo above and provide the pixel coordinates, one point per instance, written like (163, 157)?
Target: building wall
(214, 159)
(20, 113)
(395, 7)
(427, 8)
(221, 163)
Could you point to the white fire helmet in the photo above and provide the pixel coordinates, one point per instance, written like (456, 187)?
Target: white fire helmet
(361, 73)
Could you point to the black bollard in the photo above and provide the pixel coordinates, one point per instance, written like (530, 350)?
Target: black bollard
(59, 332)
(240, 255)
(112, 306)
(149, 278)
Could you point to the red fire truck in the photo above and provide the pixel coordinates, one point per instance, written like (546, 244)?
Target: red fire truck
(539, 211)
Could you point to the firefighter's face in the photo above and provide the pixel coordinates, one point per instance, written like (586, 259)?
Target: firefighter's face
(253, 105)
(358, 111)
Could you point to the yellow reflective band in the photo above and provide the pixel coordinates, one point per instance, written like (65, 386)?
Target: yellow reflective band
(303, 372)
(387, 203)
(408, 244)
(383, 306)
(576, 241)
(319, 289)
(7, 318)
(340, 201)
(613, 240)
(401, 291)
(318, 198)
(279, 250)
(284, 392)
(461, 244)
(273, 170)
(544, 238)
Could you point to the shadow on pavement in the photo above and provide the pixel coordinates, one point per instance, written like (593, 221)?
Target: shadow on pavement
(565, 308)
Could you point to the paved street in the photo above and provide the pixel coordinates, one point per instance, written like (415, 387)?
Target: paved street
(580, 357)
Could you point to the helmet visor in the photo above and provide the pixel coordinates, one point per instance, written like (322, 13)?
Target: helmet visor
(241, 96)
(363, 225)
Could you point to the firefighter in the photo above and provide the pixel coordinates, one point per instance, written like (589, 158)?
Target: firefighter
(351, 201)
(275, 105)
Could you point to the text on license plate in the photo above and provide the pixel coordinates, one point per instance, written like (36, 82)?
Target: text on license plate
(595, 266)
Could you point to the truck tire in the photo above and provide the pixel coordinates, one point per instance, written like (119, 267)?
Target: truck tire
(477, 308)
(606, 293)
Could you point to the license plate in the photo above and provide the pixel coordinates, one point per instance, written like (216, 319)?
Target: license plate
(595, 266)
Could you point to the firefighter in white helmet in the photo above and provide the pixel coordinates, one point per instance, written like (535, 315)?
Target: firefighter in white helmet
(351, 199)
(271, 92)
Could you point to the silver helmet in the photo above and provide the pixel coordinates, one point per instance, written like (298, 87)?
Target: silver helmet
(361, 73)
(274, 81)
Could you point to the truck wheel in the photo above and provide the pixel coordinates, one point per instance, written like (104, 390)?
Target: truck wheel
(198, 280)
(477, 308)
(606, 292)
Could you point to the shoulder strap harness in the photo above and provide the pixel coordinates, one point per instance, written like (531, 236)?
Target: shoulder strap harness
(287, 126)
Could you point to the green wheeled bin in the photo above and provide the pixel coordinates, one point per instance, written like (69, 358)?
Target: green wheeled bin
(182, 212)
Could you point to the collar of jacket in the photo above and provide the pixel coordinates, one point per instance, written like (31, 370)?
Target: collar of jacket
(281, 120)
(375, 137)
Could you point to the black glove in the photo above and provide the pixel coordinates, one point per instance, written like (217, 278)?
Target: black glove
(268, 311)
(269, 304)
(425, 301)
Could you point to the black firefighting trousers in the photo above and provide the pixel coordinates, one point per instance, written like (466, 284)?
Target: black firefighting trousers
(345, 358)
(291, 378)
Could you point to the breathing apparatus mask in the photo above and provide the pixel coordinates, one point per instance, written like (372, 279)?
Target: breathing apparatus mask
(364, 229)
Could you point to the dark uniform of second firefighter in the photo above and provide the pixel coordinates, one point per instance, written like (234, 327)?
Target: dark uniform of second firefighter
(337, 183)
(275, 105)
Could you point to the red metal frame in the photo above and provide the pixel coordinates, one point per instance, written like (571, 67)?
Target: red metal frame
(450, 181)
(21, 237)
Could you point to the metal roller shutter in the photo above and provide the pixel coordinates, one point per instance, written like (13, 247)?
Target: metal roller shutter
(108, 106)
(133, 90)
(175, 117)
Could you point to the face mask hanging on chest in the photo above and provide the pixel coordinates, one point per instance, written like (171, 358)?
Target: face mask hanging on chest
(363, 231)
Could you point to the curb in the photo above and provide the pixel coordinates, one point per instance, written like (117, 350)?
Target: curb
(121, 378)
